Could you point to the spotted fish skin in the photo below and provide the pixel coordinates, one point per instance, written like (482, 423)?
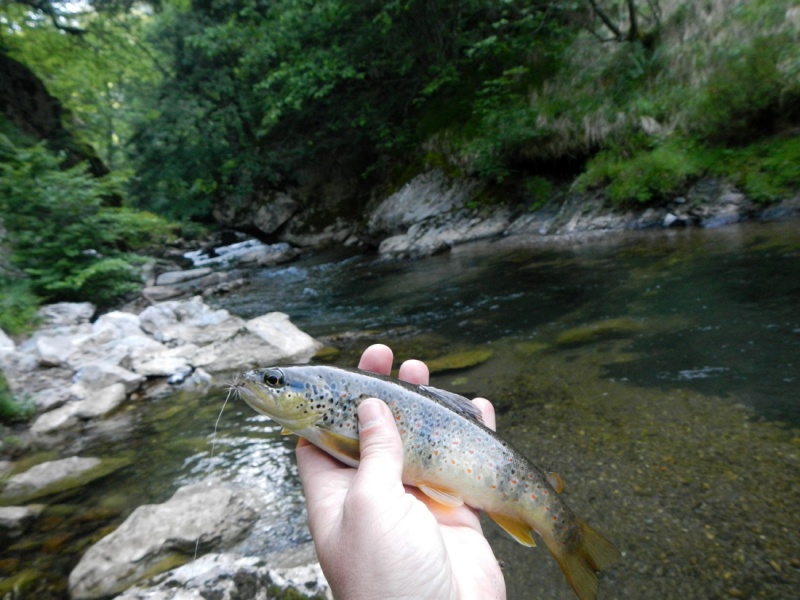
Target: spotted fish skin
(449, 454)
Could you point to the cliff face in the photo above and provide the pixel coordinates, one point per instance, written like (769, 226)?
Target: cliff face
(26, 104)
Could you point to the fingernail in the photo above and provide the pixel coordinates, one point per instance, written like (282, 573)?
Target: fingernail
(370, 413)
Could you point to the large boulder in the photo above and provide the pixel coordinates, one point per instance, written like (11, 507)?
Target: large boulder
(156, 536)
(263, 341)
(430, 194)
(231, 576)
(189, 322)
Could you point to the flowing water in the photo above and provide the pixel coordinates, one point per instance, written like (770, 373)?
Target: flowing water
(657, 373)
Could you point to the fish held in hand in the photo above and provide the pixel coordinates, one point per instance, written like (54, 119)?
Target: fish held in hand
(449, 454)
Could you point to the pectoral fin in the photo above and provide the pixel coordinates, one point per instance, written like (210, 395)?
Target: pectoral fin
(555, 481)
(344, 448)
(441, 495)
(516, 529)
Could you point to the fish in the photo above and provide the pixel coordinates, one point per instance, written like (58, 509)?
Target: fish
(448, 454)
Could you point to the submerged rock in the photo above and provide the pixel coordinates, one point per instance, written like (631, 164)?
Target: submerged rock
(156, 537)
(459, 360)
(609, 328)
(57, 476)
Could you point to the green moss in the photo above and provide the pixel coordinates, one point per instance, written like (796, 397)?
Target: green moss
(13, 410)
(20, 583)
(601, 330)
(459, 360)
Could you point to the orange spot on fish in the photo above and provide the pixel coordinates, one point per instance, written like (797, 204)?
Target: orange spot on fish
(469, 470)
(533, 496)
(436, 452)
(514, 481)
(494, 487)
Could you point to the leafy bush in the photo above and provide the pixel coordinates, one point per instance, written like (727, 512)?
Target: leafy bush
(61, 235)
(17, 306)
(642, 176)
(12, 410)
(744, 96)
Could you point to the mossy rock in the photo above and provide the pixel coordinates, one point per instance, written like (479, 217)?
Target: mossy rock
(459, 360)
(28, 486)
(601, 330)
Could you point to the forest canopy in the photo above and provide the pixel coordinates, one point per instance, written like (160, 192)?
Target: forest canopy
(195, 103)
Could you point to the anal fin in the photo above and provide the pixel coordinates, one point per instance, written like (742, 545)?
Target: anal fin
(441, 495)
(515, 528)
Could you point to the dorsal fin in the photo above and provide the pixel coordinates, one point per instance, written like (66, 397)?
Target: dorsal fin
(455, 402)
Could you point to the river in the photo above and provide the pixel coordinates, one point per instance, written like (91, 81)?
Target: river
(656, 372)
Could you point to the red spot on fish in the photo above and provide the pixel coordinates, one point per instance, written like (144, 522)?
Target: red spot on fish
(533, 496)
(514, 481)
(479, 477)
(436, 452)
(547, 508)
(469, 470)
(494, 487)
(545, 492)
(455, 442)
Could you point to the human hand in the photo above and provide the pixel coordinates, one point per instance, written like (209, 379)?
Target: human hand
(377, 539)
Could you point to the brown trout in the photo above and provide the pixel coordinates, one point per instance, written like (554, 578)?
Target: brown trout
(448, 454)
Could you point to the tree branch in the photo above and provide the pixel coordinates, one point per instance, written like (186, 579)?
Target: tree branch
(46, 8)
(607, 20)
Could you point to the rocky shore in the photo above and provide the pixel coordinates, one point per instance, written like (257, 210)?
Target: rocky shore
(80, 371)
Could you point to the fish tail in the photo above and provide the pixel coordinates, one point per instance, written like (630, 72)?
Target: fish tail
(581, 562)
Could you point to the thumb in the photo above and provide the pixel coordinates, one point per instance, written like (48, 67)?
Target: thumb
(381, 447)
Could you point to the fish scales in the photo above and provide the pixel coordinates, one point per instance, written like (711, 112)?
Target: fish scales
(448, 454)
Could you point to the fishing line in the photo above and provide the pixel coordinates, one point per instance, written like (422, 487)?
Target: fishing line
(231, 390)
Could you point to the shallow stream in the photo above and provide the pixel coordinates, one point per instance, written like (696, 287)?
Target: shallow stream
(656, 372)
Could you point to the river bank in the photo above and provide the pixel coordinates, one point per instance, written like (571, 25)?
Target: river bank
(607, 362)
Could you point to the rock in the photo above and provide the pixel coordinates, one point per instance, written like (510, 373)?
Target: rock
(6, 343)
(427, 195)
(200, 285)
(14, 520)
(166, 361)
(63, 417)
(267, 339)
(231, 576)
(148, 541)
(173, 277)
(66, 313)
(439, 234)
(189, 321)
(58, 349)
(270, 217)
(57, 476)
(99, 376)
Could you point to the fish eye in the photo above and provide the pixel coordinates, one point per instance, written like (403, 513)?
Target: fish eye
(274, 378)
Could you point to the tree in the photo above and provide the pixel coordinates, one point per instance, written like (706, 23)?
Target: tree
(610, 13)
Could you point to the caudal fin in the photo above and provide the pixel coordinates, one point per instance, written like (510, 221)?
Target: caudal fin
(582, 563)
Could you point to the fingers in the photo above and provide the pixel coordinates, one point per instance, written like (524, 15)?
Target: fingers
(377, 359)
(381, 447)
(487, 410)
(414, 371)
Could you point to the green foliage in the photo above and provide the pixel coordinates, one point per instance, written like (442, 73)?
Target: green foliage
(17, 306)
(540, 190)
(766, 171)
(12, 410)
(641, 176)
(61, 235)
(747, 94)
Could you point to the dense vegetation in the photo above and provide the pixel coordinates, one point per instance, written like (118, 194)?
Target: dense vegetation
(190, 102)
